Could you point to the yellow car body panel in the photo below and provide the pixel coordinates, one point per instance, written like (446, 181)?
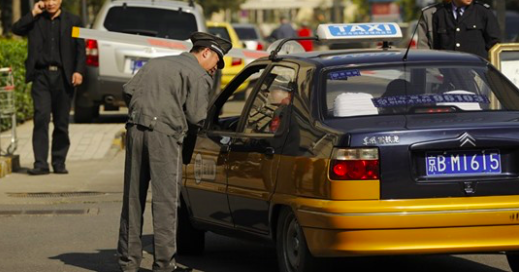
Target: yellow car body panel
(414, 226)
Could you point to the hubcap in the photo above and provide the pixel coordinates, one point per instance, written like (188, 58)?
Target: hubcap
(293, 243)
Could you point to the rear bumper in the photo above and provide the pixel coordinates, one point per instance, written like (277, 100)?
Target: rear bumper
(420, 226)
(96, 88)
(342, 243)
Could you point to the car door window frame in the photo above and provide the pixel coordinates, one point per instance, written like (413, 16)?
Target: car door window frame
(221, 99)
(248, 106)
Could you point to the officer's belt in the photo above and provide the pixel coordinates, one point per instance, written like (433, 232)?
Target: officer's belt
(153, 123)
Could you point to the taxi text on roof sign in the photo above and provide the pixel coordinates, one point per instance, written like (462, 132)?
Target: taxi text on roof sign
(356, 32)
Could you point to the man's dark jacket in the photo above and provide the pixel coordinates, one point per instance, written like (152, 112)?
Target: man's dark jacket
(72, 50)
(476, 31)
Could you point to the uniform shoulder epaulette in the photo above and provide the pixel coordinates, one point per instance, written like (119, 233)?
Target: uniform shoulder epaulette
(437, 5)
(483, 4)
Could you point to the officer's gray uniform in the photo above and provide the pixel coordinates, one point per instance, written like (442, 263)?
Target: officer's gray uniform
(475, 32)
(159, 93)
(425, 27)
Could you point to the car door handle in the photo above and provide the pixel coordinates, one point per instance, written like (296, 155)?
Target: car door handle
(269, 152)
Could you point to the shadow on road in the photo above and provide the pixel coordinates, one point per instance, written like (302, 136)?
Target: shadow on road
(103, 261)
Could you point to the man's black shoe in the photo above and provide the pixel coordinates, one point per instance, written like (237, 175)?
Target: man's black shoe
(60, 169)
(38, 171)
(180, 269)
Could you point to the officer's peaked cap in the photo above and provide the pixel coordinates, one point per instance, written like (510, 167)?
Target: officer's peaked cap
(217, 44)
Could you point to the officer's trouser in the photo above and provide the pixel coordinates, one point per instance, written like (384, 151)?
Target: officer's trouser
(151, 156)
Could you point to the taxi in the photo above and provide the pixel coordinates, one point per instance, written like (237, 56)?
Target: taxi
(359, 152)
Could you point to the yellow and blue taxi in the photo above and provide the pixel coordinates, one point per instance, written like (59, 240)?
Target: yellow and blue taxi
(359, 152)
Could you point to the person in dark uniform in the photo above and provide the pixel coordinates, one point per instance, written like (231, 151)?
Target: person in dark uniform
(465, 25)
(425, 26)
(163, 96)
(55, 64)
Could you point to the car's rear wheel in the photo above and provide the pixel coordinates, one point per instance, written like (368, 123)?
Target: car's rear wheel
(292, 250)
(513, 260)
(190, 241)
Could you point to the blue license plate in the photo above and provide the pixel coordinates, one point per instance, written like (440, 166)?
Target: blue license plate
(470, 162)
(135, 65)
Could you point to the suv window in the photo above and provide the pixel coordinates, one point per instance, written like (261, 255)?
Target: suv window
(162, 23)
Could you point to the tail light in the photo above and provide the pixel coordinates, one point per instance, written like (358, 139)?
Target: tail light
(354, 164)
(236, 61)
(92, 53)
(259, 46)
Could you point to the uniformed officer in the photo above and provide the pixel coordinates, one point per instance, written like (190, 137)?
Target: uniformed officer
(425, 26)
(465, 25)
(162, 98)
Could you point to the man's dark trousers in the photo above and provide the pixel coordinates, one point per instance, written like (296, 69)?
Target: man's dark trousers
(51, 94)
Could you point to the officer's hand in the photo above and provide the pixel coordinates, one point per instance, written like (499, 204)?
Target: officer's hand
(39, 7)
(77, 79)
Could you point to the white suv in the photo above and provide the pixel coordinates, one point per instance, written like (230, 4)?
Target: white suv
(110, 64)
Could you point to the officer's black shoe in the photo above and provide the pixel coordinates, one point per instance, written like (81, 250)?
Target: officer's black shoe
(60, 169)
(180, 269)
(38, 171)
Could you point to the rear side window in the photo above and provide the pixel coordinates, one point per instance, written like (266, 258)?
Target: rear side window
(220, 32)
(154, 22)
(245, 33)
(416, 89)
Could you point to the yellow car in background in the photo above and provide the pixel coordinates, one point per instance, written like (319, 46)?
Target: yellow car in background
(232, 65)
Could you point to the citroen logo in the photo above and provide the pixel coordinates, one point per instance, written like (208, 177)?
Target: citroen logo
(465, 138)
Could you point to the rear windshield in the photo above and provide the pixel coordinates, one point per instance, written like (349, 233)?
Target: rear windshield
(220, 32)
(417, 89)
(162, 23)
(246, 33)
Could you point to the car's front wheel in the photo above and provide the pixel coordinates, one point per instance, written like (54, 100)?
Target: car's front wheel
(292, 250)
(513, 260)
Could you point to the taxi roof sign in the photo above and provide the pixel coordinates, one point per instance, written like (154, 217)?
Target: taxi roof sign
(359, 32)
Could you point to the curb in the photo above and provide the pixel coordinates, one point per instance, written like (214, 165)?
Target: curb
(119, 140)
(8, 164)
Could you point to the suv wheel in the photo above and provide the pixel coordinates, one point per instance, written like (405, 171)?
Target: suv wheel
(292, 251)
(190, 241)
(85, 114)
(513, 260)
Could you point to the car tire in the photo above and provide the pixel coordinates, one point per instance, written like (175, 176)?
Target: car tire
(513, 260)
(85, 114)
(292, 250)
(190, 241)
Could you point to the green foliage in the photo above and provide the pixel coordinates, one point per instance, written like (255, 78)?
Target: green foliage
(13, 53)
(363, 10)
(72, 6)
(409, 9)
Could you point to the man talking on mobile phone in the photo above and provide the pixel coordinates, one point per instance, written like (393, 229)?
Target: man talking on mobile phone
(55, 64)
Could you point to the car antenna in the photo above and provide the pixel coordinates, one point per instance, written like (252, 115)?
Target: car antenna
(192, 3)
(414, 32)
